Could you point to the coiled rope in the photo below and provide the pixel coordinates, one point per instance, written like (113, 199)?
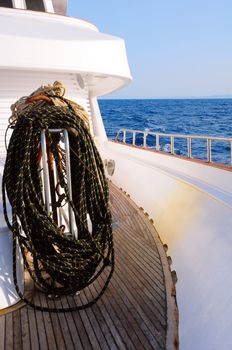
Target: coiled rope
(72, 264)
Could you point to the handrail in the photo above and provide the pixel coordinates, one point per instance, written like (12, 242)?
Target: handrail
(188, 137)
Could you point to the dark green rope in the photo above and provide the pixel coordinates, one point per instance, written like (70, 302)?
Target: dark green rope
(72, 264)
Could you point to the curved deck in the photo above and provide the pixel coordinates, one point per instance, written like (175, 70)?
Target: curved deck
(134, 313)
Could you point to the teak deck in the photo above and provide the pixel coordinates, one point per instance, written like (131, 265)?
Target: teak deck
(133, 312)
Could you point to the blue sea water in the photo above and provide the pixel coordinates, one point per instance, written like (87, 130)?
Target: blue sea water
(211, 117)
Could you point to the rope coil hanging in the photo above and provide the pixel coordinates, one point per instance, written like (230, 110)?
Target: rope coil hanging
(72, 264)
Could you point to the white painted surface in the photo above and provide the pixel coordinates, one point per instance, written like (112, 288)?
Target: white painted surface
(8, 294)
(48, 5)
(191, 205)
(33, 40)
(98, 126)
(60, 6)
(15, 84)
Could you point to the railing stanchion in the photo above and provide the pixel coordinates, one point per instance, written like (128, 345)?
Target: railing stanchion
(117, 136)
(209, 156)
(189, 147)
(157, 142)
(46, 185)
(144, 140)
(69, 185)
(231, 153)
(124, 136)
(172, 145)
(133, 140)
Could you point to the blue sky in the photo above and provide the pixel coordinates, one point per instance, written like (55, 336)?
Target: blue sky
(179, 48)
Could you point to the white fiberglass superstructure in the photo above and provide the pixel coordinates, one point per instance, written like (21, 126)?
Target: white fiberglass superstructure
(189, 202)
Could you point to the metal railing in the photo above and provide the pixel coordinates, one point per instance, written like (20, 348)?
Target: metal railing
(47, 195)
(189, 138)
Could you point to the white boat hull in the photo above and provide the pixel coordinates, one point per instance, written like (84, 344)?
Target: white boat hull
(191, 205)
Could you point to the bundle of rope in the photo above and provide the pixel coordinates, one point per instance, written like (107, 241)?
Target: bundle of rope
(72, 264)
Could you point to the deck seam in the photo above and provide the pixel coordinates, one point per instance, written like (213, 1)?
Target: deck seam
(2, 332)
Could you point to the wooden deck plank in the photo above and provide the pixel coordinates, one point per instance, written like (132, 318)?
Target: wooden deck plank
(148, 285)
(131, 216)
(140, 269)
(141, 287)
(149, 308)
(85, 295)
(137, 303)
(142, 324)
(9, 335)
(64, 327)
(2, 332)
(133, 221)
(26, 345)
(101, 322)
(34, 339)
(149, 257)
(79, 324)
(143, 247)
(126, 318)
(117, 319)
(87, 324)
(49, 331)
(115, 324)
(71, 325)
(41, 326)
(57, 330)
(108, 319)
(151, 282)
(17, 332)
(130, 315)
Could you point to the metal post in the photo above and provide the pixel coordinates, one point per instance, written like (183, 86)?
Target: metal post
(209, 155)
(231, 153)
(46, 182)
(144, 140)
(172, 145)
(133, 140)
(56, 195)
(69, 184)
(117, 136)
(157, 142)
(189, 147)
(124, 136)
